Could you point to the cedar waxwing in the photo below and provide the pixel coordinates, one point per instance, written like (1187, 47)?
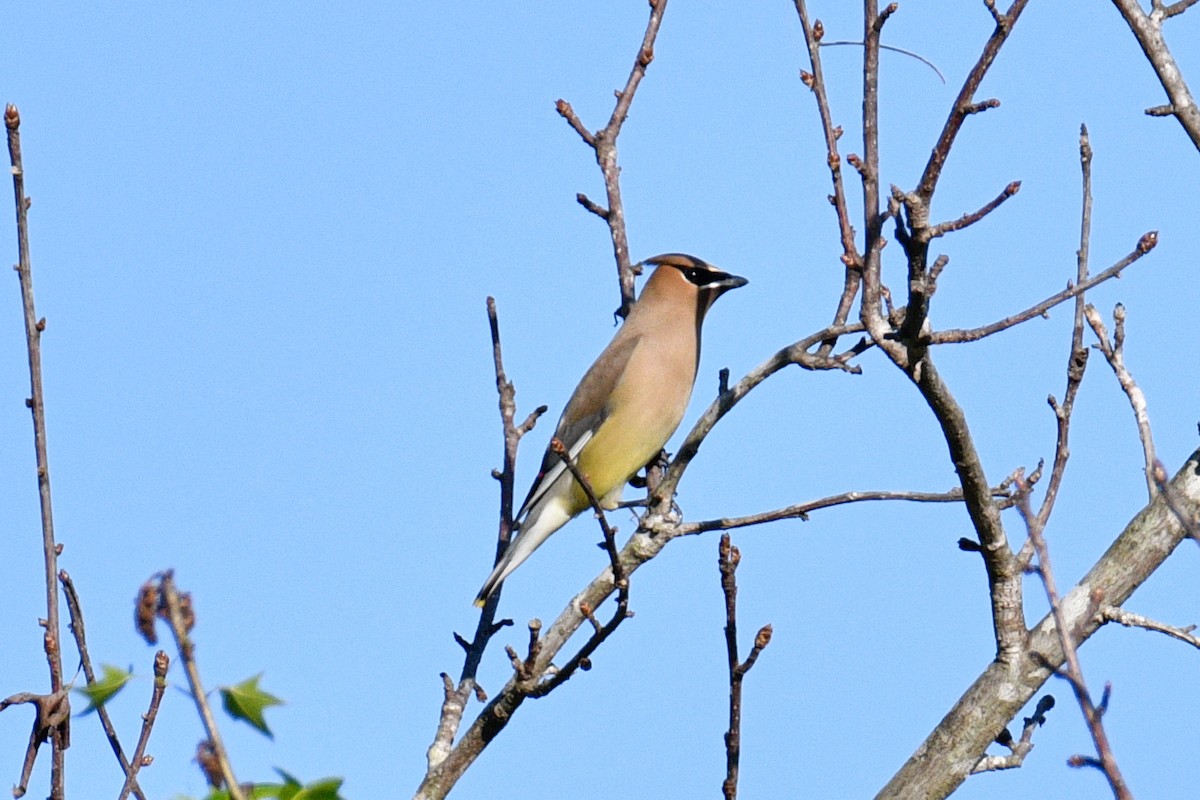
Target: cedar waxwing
(628, 404)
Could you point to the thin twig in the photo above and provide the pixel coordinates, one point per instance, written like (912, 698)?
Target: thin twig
(873, 217)
(604, 144)
(1078, 356)
(610, 534)
(1177, 8)
(1020, 748)
(958, 335)
(893, 49)
(964, 104)
(178, 622)
(798, 354)
(50, 711)
(802, 510)
(60, 735)
(728, 558)
(1114, 354)
(942, 228)
(456, 697)
(1130, 620)
(620, 578)
(85, 659)
(1091, 712)
(161, 663)
(851, 260)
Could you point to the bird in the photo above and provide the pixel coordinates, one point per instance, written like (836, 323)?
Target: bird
(625, 407)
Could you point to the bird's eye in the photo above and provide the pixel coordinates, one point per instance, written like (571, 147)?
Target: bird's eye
(693, 274)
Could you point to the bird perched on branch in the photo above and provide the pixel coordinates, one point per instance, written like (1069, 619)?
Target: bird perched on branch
(627, 405)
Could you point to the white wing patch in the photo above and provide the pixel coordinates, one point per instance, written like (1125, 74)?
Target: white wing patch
(554, 473)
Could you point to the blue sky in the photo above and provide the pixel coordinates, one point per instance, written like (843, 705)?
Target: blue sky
(262, 237)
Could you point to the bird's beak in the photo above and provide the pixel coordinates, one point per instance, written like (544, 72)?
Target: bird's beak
(725, 283)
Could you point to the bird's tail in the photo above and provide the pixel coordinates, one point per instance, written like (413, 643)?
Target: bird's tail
(534, 530)
(518, 550)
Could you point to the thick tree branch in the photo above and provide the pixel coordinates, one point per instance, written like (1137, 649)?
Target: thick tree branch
(947, 756)
(1147, 28)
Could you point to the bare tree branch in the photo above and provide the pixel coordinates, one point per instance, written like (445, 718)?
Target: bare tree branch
(1130, 620)
(1020, 748)
(1177, 8)
(582, 659)
(455, 698)
(1092, 713)
(1147, 28)
(1187, 518)
(964, 104)
(959, 335)
(85, 660)
(953, 748)
(610, 534)
(176, 609)
(161, 663)
(797, 354)
(1003, 571)
(50, 711)
(728, 559)
(1114, 353)
(604, 143)
(802, 510)
(966, 220)
(1077, 358)
(815, 80)
(60, 735)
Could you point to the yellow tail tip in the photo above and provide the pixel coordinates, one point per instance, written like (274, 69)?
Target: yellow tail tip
(479, 602)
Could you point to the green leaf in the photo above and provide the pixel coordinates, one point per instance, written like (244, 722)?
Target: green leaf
(261, 791)
(291, 785)
(290, 789)
(247, 702)
(323, 789)
(106, 688)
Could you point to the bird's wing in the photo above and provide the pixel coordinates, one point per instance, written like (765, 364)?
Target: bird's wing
(585, 412)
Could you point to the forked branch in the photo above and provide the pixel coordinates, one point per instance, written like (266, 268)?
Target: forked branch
(604, 144)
